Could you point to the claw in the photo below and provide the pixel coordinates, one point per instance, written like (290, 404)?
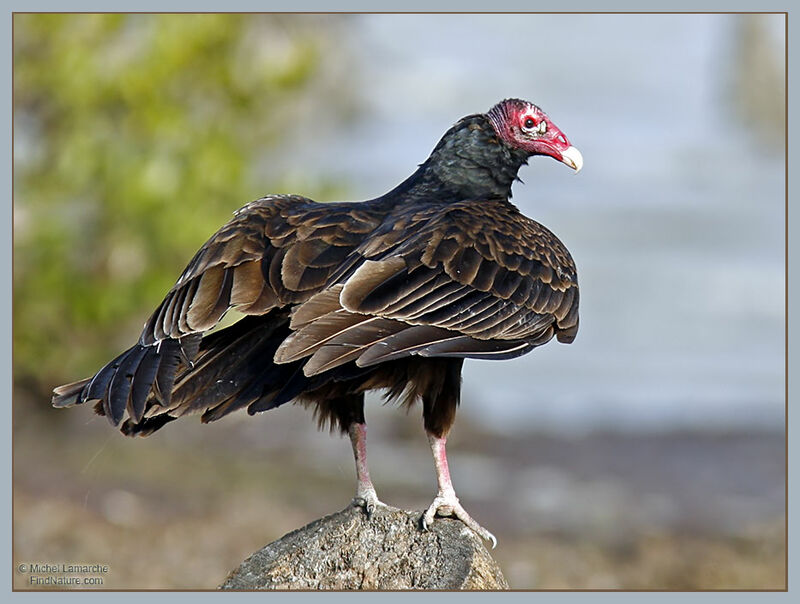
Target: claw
(450, 506)
(369, 502)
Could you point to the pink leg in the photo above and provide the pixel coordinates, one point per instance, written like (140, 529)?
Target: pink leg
(365, 492)
(446, 503)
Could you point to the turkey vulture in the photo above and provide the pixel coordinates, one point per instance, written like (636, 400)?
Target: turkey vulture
(341, 298)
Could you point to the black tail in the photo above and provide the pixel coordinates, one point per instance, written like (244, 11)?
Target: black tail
(225, 371)
(130, 380)
(235, 368)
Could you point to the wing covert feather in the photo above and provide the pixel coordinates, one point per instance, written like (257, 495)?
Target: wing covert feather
(476, 279)
(481, 269)
(276, 251)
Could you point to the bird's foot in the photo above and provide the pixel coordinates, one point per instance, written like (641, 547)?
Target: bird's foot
(448, 505)
(368, 500)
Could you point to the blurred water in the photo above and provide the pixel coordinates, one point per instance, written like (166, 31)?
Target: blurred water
(676, 221)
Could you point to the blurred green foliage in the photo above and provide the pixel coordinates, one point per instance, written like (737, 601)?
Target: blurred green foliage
(135, 139)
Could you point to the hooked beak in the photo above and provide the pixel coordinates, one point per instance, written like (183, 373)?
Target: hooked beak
(573, 158)
(553, 142)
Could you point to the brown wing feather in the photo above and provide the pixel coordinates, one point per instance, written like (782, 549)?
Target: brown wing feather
(275, 251)
(475, 279)
(482, 269)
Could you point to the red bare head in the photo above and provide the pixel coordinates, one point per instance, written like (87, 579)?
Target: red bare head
(523, 125)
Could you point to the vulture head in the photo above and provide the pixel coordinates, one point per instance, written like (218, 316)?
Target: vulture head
(524, 126)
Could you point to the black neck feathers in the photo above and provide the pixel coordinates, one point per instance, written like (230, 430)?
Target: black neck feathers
(469, 162)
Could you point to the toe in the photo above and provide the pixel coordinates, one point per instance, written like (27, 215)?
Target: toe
(368, 504)
(437, 507)
(442, 506)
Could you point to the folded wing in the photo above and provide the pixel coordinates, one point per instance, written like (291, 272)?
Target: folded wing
(276, 251)
(472, 280)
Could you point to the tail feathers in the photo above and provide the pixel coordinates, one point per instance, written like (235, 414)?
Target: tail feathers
(148, 386)
(299, 384)
(69, 394)
(233, 369)
(146, 426)
(225, 365)
(142, 385)
(130, 380)
(237, 370)
(295, 382)
(119, 388)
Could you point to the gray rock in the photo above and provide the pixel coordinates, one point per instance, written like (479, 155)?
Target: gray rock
(347, 550)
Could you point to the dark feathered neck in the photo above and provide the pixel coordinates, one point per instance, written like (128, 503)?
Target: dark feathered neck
(469, 162)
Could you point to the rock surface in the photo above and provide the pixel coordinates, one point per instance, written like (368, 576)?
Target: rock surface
(347, 550)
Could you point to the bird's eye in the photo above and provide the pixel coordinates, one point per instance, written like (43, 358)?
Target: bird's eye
(529, 123)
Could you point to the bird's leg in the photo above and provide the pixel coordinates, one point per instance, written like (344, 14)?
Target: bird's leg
(365, 492)
(446, 503)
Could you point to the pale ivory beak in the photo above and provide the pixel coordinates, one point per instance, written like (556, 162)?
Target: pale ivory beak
(573, 158)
